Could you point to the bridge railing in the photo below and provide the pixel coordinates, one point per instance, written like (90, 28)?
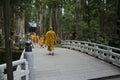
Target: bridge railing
(106, 53)
(21, 72)
(18, 74)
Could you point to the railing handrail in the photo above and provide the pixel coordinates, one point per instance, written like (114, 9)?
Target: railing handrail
(104, 52)
(21, 57)
(94, 43)
(20, 64)
(15, 63)
(23, 72)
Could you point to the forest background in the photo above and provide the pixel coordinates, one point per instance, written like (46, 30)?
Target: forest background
(85, 20)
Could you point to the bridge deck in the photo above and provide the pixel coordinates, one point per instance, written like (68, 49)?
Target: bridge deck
(68, 64)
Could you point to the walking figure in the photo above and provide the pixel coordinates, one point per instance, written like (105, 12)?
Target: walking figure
(51, 40)
(41, 41)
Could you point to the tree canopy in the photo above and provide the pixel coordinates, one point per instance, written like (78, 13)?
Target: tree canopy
(90, 20)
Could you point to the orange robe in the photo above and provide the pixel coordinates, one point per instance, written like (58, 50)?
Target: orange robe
(51, 39)
(34, 38)
(41, 41)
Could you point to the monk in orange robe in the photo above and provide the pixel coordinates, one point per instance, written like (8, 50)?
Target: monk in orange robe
(51, 40)
(41, 41)
(34, 38)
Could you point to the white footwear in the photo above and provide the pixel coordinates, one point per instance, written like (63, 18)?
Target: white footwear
(50, 53)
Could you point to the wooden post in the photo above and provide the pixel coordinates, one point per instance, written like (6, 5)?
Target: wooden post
(7, 39)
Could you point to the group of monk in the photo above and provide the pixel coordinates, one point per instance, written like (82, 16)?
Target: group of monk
(38, 39)
(50, 40)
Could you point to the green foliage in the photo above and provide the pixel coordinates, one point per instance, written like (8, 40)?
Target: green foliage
(83, 24)
(94, 22)
(77, 8)
(52, 3)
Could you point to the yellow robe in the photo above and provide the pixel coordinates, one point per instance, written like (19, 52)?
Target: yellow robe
(41, 41)
(51, 39)
(34, 38)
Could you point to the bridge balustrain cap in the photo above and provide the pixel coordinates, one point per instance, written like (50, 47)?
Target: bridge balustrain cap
(28, 47)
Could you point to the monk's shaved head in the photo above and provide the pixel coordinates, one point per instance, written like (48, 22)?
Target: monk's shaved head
(51, 28)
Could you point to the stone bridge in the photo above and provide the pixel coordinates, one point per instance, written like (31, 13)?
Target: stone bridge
(73, 60)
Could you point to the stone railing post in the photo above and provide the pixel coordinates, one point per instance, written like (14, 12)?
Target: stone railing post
(29, 58)
(1, 74)
(109, 53)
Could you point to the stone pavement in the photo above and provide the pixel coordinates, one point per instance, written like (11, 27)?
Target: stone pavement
(68, 64)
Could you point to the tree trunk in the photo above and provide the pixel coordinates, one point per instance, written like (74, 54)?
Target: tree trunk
(19, 25)
(1, 21)
(57, 21)
(41, 24)
(51, 12)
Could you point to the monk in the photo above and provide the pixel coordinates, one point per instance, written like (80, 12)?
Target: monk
(51, 40)
(34, 38)
(41, 41)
